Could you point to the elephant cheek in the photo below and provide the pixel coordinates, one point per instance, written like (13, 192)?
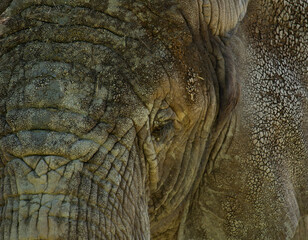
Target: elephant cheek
(58, 186)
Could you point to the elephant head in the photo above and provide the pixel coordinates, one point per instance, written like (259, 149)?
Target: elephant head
(115, 114)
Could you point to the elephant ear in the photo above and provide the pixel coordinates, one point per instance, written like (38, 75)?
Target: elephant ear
(222, 16)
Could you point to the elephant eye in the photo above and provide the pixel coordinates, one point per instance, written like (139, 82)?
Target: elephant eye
(163, 124)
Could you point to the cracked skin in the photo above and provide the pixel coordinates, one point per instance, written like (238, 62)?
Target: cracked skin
(153, 119)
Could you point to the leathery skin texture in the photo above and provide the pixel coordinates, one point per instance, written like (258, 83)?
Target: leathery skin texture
(181, 119)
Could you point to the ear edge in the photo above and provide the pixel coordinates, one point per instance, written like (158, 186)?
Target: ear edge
(222, 16)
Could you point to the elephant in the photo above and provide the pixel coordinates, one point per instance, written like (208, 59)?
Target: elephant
(179, 119)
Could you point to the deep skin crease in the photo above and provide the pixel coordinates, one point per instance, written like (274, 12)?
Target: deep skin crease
(153, 119)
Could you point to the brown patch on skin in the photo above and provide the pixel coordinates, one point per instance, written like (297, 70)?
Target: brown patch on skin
(171, 29)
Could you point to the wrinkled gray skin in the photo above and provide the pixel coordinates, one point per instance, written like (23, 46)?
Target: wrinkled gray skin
(181, 119)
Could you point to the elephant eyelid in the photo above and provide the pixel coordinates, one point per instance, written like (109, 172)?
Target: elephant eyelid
(164, 115)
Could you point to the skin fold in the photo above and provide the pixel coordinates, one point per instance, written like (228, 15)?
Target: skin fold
(153, 119)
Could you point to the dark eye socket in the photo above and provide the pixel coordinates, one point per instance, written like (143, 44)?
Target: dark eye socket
(163, 123)
(160, 128)
(162, 131)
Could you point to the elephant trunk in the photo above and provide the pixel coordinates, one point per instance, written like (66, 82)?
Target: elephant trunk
(57, 185)
(70, 164)
(70, 167)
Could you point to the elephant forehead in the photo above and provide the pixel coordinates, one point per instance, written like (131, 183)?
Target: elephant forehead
(109, 58)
